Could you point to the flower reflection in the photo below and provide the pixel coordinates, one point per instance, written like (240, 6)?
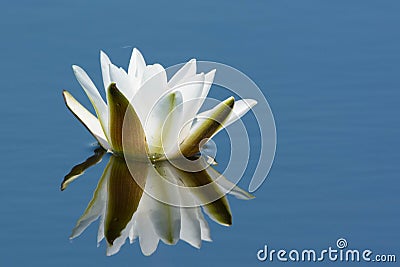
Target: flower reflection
(130, 203)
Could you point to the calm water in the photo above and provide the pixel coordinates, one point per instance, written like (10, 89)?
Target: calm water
(330, 72)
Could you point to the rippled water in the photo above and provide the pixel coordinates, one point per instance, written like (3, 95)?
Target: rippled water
(329, 70)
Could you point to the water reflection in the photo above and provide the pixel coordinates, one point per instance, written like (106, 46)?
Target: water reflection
(154, 201)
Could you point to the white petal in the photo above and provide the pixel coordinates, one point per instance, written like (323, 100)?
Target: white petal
(190, 224)
(93, 95)
(191, 91)
(87, 119)
(148, 239)
(105, 63)
(165, 218)
(100, 232)
(121, 79)
(154, 85)
(143, 226)
(196, 105)
(132, 233)
(161, 126)
(137, 65)
(188, 70)
(205, 229)
(208, 80)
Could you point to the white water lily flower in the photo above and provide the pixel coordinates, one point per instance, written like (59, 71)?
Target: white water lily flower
(143, 102)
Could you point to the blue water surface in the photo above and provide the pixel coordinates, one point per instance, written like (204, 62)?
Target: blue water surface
(329, 69)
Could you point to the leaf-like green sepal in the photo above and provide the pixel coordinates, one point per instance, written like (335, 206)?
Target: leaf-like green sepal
(227, 186)
(202, 186)
(219, 209)
(124, 194)
(124, 125)
(86, 118)
(80, 169)
(206, 127)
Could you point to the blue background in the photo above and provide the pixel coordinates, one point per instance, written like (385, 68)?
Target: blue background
(329, 69)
